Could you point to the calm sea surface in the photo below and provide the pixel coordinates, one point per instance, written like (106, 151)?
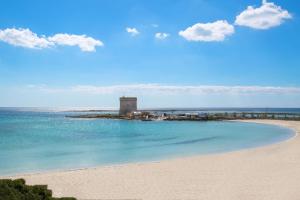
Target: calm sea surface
(40, 141)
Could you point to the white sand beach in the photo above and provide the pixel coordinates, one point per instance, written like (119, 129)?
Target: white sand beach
(265, 173)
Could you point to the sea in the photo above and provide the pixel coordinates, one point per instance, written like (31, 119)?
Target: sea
(43, 139)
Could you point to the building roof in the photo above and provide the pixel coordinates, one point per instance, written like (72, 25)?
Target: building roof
(128, 98)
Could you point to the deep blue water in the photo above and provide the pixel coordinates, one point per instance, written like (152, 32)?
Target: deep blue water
(39, 141)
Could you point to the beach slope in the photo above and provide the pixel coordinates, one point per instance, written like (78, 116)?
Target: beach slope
(264, 173)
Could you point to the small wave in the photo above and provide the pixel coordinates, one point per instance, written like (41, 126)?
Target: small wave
(193, 141)
(159, 139)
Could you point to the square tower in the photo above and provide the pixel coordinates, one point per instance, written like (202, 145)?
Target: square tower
(127, 105)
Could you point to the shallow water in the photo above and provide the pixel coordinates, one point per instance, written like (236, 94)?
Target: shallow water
(39, 141)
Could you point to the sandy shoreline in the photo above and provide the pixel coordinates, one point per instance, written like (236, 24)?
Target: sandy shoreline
(271, 172)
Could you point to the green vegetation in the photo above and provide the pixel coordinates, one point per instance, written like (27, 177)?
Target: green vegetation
(18, 190)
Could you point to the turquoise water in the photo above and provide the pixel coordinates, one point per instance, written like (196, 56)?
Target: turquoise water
(39, 141)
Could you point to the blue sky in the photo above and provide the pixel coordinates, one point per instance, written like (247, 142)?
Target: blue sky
(169, 53)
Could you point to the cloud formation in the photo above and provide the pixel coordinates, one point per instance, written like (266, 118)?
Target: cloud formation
(132, 31)
(208, 32)
(161, 36)
(82, 41)
(28, 39)
(147, 89)
(267, 16)
(24, 38)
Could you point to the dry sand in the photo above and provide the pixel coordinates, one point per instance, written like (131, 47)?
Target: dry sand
(266, 173)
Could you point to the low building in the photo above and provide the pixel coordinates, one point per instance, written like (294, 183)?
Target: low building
(127, 105)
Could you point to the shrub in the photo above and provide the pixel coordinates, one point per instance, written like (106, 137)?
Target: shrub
(18, 190)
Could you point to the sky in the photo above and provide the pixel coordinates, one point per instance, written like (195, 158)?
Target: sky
(168, 53)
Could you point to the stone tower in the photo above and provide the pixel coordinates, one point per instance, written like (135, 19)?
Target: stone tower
(127, 105)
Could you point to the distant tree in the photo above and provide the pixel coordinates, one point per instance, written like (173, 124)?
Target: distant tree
(273, 116)
(234, 115)
(243, 115)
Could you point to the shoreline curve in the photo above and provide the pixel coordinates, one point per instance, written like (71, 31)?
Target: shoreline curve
(251, 173)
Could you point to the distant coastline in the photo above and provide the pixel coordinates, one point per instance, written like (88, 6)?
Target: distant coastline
(190, 116)
(175, 109)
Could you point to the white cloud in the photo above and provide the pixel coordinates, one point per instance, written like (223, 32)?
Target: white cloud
(146, 89)
(267, 16)
(24, 38)
(85, 43)
(208, 32)
(132, 31)
(44, 88)
(28, 39)
(161, 36)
